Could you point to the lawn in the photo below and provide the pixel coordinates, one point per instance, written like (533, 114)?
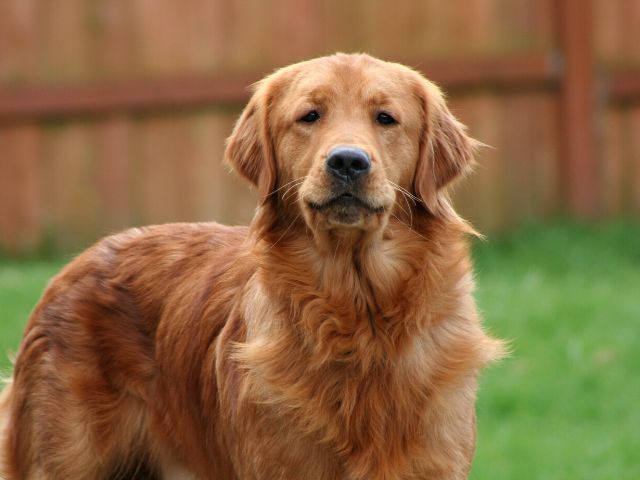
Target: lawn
(566, 404)
(21, 284)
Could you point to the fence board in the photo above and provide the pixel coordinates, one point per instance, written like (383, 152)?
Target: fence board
(480, 195)
(113, 139)
(519, 155)
(112, 44)
(298, 30)
(612, 170)
(118, 111)
(19, 35)
(20, 189)
(71, 206)
(544, 136)
(155, 186)
(217, 193)
(63, 47)
(633, 182)
(577, 104)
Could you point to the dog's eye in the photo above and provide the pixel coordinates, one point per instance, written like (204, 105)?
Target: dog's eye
(385, 119)
(310, 117)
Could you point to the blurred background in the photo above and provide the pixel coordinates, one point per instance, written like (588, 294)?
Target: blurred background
(115, 113)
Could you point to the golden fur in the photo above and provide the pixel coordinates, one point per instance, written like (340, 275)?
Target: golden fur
(333, 342)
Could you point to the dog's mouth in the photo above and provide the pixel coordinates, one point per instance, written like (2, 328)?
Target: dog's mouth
(346, 209)
(345, 202)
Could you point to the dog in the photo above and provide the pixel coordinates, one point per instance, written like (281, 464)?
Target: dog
(335, 337)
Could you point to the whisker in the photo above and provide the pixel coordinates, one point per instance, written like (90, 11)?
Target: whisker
(303, 178)
(284, 195)
(409, 207)
(411, 195)
(400, 205)
(404, 195)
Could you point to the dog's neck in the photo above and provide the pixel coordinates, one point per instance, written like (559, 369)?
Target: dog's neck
(338, 286)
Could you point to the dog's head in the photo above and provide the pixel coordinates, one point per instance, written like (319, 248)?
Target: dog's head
(340, 140)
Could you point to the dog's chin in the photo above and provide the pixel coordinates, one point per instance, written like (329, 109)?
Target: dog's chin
(347, 211)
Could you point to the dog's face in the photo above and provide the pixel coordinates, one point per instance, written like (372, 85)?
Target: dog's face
(339, 140)
(348, 132)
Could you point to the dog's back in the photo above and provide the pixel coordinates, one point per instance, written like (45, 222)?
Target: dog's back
(87, 375)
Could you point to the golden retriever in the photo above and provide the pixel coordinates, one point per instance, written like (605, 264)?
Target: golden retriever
(335, 337)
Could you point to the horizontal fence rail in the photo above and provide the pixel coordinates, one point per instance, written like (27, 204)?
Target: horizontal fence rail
(624, 86)
(26, 103)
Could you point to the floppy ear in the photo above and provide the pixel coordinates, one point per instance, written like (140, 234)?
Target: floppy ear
(249, 150)
(446, 151)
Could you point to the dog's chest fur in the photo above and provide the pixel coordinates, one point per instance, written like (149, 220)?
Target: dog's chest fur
(341, 386)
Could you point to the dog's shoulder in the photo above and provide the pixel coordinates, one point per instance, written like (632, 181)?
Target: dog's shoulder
(146, 267)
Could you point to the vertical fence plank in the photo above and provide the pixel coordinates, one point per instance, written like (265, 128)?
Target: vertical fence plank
(216, 193)
(630, 12)
(519, 157)
(392, 30)
(205, 179)
(341, 35)
(113, 140)
(298, 28)
(162, 37)
(155, 182)
(577, 108)
(633, 180)
(70, 205)
(477, 25)
(20, 186)
(112, 39)
(250, 48)
(612, 170)
(607, 38)
(19, 35)
(179, 174)
(211, 35)
(544, 138)
(542, 25)
(481, 196)
(64, 41)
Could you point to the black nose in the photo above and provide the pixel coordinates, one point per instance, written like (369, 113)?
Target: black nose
(348, 163)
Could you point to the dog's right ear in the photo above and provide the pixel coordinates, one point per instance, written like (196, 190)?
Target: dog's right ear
(249, 149)
(446, 151)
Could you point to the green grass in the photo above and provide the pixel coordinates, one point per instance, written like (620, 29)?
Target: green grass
(21, 284)
(566, 404)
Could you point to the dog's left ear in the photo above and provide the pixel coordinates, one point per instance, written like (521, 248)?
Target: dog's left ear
(446, 151)
(249, 149)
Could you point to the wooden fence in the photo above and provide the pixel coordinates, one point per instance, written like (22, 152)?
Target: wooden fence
(115, 113)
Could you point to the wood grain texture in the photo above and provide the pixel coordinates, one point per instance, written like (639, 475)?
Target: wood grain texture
(154, 87)
(21, 181)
